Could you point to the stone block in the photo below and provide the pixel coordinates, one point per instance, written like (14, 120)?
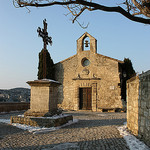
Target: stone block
(141, 129)
(143, 105)
(145, 113)
(142, 123)
(42, 121)
(43, 101)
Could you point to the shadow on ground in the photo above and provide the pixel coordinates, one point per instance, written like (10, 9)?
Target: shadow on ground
(6, 129)
(96, 123)
(101, 144)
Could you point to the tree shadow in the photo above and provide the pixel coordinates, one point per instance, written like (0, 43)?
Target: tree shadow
(100, 144)
(7, 129)
(97, 119)
(97, 123)
(7, 115)
(91, 113)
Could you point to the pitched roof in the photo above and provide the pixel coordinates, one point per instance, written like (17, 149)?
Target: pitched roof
(85, 34)
(119, 61)
(66, 59)
(111, 58)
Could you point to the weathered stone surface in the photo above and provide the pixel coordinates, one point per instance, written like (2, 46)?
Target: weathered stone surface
(43, 106)
(132, 104)
(42, 121)
(138, 110)
(102, 75)
(144, 98)
(8, 107)
(41, 113)
(43, 98)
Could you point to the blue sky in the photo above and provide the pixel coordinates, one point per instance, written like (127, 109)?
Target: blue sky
(117, 37)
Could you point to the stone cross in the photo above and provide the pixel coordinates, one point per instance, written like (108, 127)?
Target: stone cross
(46, 39)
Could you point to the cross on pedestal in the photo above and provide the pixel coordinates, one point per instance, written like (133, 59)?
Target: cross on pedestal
(46, 39)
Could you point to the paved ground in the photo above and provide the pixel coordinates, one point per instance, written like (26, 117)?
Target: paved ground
(94, 131)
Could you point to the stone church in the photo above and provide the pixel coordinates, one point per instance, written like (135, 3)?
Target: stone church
(89, 81)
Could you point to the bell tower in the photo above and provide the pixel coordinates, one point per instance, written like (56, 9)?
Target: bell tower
(87, 41)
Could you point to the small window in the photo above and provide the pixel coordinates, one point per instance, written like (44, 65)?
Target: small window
(85, 62)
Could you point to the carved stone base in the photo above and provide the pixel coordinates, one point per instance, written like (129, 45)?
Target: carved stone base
(42, 114)
(42, 121)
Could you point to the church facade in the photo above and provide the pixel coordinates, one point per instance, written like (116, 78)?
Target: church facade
(89, 81)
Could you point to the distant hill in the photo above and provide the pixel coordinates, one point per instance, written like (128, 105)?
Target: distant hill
(15, 95)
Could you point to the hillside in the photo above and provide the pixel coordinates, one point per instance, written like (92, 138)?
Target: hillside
(15, 95)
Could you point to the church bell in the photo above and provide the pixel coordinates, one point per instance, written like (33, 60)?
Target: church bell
(86, 43)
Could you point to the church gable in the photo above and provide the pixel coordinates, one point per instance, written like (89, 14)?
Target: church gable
(91, 43)
(89, 72)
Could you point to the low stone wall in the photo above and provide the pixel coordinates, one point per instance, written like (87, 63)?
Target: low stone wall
(132, 104)
(144, 107)
(7, 107)
(42, 121)
(138, 106)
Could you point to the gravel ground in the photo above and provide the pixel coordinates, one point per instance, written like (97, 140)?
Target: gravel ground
(94, 131)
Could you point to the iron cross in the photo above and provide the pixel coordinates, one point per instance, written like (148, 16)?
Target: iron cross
(44, 35)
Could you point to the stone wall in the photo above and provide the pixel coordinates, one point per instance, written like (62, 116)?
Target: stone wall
(132, 104)
(138, 107)
(108, 89)
(144, 107)
(7, 107)
(64, 72)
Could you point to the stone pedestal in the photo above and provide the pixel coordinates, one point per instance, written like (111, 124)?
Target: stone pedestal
(43, 110)
(43, 102)
(42, 121)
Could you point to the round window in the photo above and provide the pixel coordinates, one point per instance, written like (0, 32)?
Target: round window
(85, 62)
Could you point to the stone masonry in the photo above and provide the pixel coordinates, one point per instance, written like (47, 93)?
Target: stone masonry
(138, 106)
(88, 69)
(43, 110)
(43, 98)
(8, 107)
(132, 104)
(42, 121)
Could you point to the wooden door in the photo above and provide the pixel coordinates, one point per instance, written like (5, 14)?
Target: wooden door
(85, 98)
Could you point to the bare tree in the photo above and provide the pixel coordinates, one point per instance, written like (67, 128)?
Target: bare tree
(135, 10)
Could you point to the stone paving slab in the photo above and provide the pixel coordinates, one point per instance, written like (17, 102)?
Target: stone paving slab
(94, 131)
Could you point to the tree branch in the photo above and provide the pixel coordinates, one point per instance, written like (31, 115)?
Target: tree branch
(143, 8)
(23, 4)
(94, 6)
(116, 9)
